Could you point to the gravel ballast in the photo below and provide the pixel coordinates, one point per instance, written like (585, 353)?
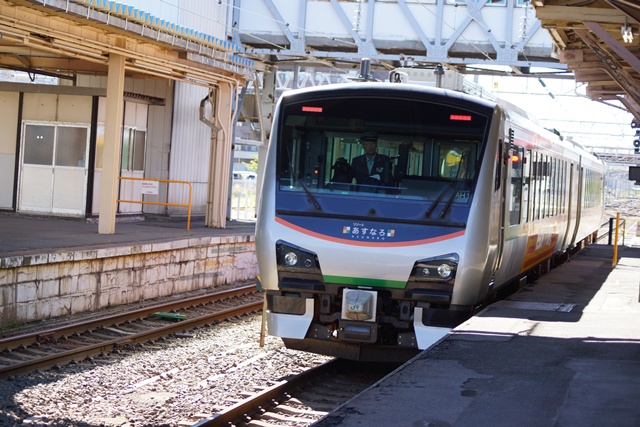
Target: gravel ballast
(162, 384)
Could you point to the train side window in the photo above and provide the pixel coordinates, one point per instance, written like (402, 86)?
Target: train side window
(560, 185)
(515, 188)
(593, 188)
(545, 167)
(549, 186)
(563, 177)
(545, 186)
(587, 189)
(496, 185)
(539, 188)
(535, 188)
(552, 187)
(526, 183)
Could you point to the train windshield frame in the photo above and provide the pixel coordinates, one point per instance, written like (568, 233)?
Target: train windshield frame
(429, 151)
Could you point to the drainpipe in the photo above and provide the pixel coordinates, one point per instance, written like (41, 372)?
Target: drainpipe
(204, 119)
(219, 157)
(211, 98)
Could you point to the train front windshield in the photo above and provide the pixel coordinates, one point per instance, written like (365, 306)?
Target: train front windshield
(407, 159)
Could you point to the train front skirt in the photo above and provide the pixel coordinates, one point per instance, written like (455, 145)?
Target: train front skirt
(290, 325)
(427, 336)
(297, 327)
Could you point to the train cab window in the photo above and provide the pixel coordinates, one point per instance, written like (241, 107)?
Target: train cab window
(424, 151)
(454, 160)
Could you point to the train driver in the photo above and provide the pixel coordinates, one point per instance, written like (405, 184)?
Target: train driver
(371, 168)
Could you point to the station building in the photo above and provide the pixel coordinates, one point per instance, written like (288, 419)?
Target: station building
(169, 99)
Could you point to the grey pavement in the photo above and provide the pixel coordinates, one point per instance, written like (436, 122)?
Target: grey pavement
(26, 234)
(564, 351)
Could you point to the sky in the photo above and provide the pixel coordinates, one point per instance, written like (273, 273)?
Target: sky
(591, 123)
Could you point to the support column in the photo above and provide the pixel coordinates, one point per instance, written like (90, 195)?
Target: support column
(220, 162)
(111, 151)
(267, 99)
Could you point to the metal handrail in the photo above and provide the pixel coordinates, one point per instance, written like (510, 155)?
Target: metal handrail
(618, 226)
(607, 233)
(185, 204)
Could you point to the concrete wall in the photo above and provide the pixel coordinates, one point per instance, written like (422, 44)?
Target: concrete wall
(44, 286)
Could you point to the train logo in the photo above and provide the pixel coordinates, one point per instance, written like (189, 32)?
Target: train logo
(364, 232)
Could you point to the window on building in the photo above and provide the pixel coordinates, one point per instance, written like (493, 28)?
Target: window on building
(38, 144)
(133, 148)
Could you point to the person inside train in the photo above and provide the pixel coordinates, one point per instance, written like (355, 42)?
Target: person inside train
(341, 171)
(371, 168)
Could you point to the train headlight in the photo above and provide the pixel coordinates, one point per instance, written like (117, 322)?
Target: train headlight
(291, 259)
(441, 268)
(294, 258)
(444, 271)
(298, 268)
(432, 279)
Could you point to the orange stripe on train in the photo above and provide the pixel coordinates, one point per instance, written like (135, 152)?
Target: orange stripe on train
(369, 244)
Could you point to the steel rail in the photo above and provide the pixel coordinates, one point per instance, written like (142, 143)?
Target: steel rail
(91, 349)
(244, 410)
(31, 338)
(84, 351)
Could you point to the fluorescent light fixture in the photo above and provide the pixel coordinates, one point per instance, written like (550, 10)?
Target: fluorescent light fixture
(627, 34)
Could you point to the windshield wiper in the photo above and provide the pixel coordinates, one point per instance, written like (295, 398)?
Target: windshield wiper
(451, 199)
(310, 194)
(439, 199)
(454, 185)
(315, 202)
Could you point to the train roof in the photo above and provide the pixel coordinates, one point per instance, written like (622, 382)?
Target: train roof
(452, 95)
(449, 96)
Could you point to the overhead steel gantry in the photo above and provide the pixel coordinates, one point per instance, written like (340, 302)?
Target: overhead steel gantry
(597, 41)
(394, 33)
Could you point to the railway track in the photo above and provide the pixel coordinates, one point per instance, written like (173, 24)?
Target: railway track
(301, 399)
(54, 347)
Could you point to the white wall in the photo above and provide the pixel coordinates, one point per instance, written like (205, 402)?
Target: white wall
(9, 124)
(206, 16)
(190, 139)
(191, 144)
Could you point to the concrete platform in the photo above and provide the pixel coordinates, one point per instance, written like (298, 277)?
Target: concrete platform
(564, 351)
(26, 234)
(53, 267)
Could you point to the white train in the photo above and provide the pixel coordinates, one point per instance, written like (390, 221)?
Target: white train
(464, 196)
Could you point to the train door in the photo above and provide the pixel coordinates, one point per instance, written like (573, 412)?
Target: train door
(500, 187)
(574, 193)
(578, 205)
